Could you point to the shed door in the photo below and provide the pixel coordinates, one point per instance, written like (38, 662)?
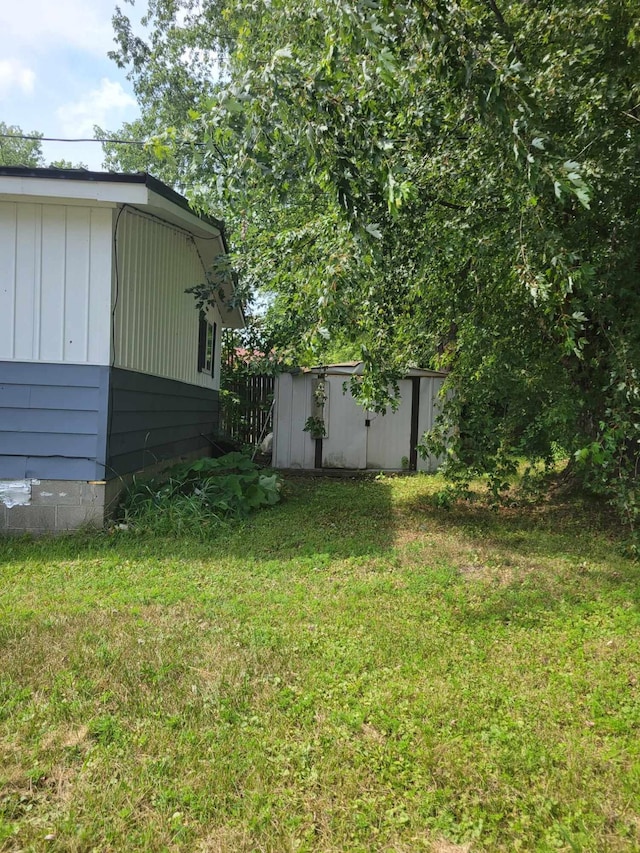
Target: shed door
(389, 436)
(345, 445)
(429, 410)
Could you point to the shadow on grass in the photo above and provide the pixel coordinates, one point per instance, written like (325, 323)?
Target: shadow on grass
(517, 566)
(576, 528)
(338, 518)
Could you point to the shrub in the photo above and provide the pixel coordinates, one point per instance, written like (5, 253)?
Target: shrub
(200, 495)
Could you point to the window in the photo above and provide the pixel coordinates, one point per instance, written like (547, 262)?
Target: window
(206, 346)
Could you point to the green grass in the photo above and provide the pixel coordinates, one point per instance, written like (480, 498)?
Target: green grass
(351, 670)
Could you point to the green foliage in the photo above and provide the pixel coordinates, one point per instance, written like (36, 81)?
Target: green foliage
(19, 152)
(246, 354)
(315, 427)
(66, 164)
(15, 151)
(198, 496)
(432, 183)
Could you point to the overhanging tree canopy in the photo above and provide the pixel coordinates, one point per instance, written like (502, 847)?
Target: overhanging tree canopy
(447, 182)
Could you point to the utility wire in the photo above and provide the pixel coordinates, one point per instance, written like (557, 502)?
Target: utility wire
(60, 139)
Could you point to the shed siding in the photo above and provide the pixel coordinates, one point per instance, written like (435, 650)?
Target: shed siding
(53, 420)
(154, 419)
(429, 410)
(389, 436)
(346, 443)
(155, 321)
(292, 448)
(349, 443)
(55, 283)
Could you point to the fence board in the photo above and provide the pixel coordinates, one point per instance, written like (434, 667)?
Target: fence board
(245, 413)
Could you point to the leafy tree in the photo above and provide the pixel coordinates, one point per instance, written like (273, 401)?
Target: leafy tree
(66, 164)
(15, 151)
(454, 183)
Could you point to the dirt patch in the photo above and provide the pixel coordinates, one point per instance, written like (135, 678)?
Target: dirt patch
(226, 840)
(449, 847)
(65, 738)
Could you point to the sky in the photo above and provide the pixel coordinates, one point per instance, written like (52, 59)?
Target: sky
(56, 77)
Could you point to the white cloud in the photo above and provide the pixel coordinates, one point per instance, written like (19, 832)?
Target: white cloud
(14, 75)
(43, 25)
(104, 106)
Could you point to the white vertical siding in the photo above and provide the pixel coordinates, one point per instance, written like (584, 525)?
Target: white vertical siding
(346, 443)
(282, 420)
(8, 235)
(52, 294)
(27, 283)
(76, 297)
(349, 442)
(99, 307)
(155, 321)
(55, 283)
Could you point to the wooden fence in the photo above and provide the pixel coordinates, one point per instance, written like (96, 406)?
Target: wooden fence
(245, 413)
(246, 401)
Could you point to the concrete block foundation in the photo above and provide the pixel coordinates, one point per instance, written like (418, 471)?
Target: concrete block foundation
(57, 506)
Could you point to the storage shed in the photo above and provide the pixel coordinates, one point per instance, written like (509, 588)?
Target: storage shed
(106, 367)
(319, 401)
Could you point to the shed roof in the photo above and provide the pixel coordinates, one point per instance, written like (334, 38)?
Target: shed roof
(139, 190)
(356, 368)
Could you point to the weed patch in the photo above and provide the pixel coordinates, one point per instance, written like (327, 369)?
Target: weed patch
(199, 496)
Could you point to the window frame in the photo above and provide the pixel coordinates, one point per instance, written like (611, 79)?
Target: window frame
(207, 340)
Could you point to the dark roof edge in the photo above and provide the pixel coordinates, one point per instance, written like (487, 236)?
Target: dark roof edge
(149, 181)
(171, 195)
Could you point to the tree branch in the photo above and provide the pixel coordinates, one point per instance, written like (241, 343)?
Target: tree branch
(505, 29)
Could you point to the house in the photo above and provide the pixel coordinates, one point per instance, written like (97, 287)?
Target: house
(106, 366)
(318, 423)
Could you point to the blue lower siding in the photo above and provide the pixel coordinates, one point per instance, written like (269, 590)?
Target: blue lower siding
(154, 419)
(87, 422)
(53, 421)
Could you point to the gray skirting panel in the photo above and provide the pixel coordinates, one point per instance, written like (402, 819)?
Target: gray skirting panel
(152, 419)
(89, 422)
(53, 420)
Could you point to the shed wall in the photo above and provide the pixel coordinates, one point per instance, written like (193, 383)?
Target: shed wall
(384, 445)
(388, 437)
(292, 448)
(55, 283)
(155, 321)
(346, 443)
(428, 412)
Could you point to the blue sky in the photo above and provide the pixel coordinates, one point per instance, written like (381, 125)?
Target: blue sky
(55, 76)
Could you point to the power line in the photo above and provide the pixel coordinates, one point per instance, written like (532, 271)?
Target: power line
(95, 139)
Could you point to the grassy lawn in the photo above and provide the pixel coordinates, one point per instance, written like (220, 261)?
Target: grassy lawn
(352, 670)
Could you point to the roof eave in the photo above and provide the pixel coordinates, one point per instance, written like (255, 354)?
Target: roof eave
(139, 190)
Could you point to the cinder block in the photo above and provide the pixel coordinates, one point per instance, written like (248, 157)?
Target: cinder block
(56, 493)
(74, 517)
(92, 494)
(31, 518)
